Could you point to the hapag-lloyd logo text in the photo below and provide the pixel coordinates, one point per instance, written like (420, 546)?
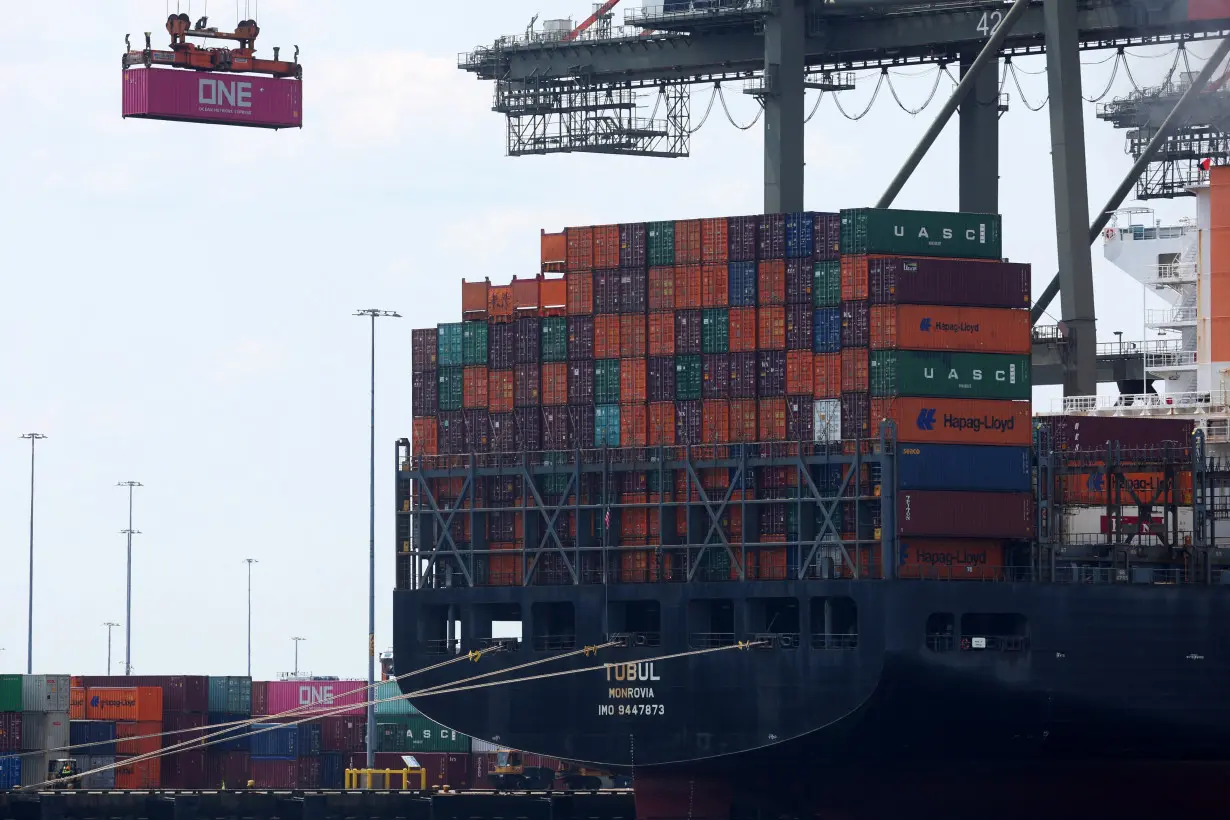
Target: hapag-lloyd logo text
(224, 93)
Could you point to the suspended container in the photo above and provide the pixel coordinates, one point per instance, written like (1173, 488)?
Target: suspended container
(216, 98)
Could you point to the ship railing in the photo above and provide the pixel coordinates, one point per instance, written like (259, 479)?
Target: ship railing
(647, 640)
(509, 643)
(776, 640)
(710, 640)
(941, 642)
(1136, 574)
(442, 647)
(554, 643)
(965, 573)
(834, 640)
(995, 643)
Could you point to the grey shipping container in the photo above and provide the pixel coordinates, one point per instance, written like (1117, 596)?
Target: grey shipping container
(45, 693)
(922, 233)
(34, 769)
(99, 781)
(44, 730)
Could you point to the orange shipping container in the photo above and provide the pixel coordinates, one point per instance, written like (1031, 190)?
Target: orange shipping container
(581, 293)
(955, 421)
(743, 416)
(800, 373)
(714, 240)
(772, 331)
(772, 419)
(500, 391)
(606, 246)
(945, 558)
(743, 330)
(1094, 488)
(139, 738)
(826, 378)
(634, 521)
(526, 295)
(687, 241)
(854, 278)
(715, 421)
(76, 700)
(632, 380)
(554, 250)
(142, 775)
(931, 327)
(642, 566)
(606, 336)
(474, 299)
(632, 335)
(555, 383)
(662, 333)
(500, 303)
(136, 703)
(662, 423)
(687, 287)
(772, 282)
(855, 370)
(766, 564)
(714, 285)
(580, 248)
(474, 388)
(505, 570)
(424, 443)
(633, 418)
(552, 296)
(662, 288)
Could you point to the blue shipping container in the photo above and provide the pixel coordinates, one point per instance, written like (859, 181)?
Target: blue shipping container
(963, 467)
(606, 425)
(742, 277)
(332, 770)
(10, 772)
(826, 330)
(800, 234)
(226, 740)
(274, 740)
(95, 738)
(310, 739)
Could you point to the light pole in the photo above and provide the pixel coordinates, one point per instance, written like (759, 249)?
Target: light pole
(130, 532)
(30, 615)
(373, 314)
(109, 625)
(250, 562)
(296, 640)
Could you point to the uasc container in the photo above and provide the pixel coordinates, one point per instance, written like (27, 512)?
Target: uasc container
(950, 374)
(922, 233)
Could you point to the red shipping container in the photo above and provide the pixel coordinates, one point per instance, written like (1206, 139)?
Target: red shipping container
(634, 521)
(826, 379)
(958, 282)
(185, 770)
(662, 288)
(580, 293)
(180, 693)
(318, 696)
(10, 731)
(184, 726)
(633, 380)
(662, 423)
(606, 291)
(955, 421)
(688, 242)
(714, 240)
(424, 442)
(423, 350)
(661, 341)
(500, 391)
(687, 332)
(580, 383)
(580, 338)
(135, 703)
(742, 329)
(260, 693)
(606, 336)
(687, 287)
(771, 275)
(855, 369)
(715, 421)
(526, 381)
(953, 559)
(632, 341)
(76, 699)
(935, 327)
(474, 388)
(771, 333)
(689, 422)
(342, 733)
(227, 769)
(633, 422)
(715, 376)
(139, 738)
(219, 98)
(743, 369)
(799, 327)
(771, 234)
(800, 372)
(714, 284)
(142, 775)
(975, 515)
(606, 246)
(772, 419)
(580, 243)
(854, 280)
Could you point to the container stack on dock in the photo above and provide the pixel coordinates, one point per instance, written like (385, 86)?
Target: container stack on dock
(10, 731)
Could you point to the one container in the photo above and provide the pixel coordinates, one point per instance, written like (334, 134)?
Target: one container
(771, 327)
(451, 431)
(555, 381)
(136, 703)
(799, 418)
(529, 429)
(714, 240)
(799, 327)
(956, 421)
(579, 287)
(827, 240)
(632, 245)
(423, 350)
(826, 284)
(333, 764)
(581, 380)
(741, 277)
(689, 378)
(744, 420)
(227, 733)
(633, 424)
(714, 285)
(555, 339)
(505, 437)
(10, 772)
(318, 696)
(854, 370)
(424, 393)
(800, 277)
(477, 431)
(500, 392)
(921, 233)
(800, 235)
(743, 370)
(660, 378)
(76, 697)
(632, 336)
(826, 330)
(448, 345)
(474, 384)
(949, 374)
(743, 329)
(856, 416)
(826, 375)
(771, 236)
(100, 780)
(715, 376)
(45, 693)
(606, 291)
(688, 294)
(953, 559)
(715, 421)
(1091, 433)
(962, 282)
(185, 770)
(450, 388)
(771, 373)
(528, 331)
(800, 372)
(965, 514)
(34, 768)
(661, 288)
(689, 422)
(230, 694)
(274, 740)
(855, 324)
(661, 333)
(11, 695)
(526, 380)
(771, 282)
(661, 423)
(633, 378)
(606, 246)
(772, 419)
(218, 98)
(228, 768)
(826, 420)
(580, 248)
(687, 332)
(964, 467)
(935, 327)
(741, 238)
(688, 241)
(415, 733)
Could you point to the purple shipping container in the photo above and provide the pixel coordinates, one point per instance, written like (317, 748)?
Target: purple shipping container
(179, 726)
(527, 379)
(450, 439)
(799, 327)
(660, 380)
(687, 332)
(501, 346)
(855, 415)
(180, 693)
(581, 422)
(423, 392)
(477, 431)
(771, 236)
(581, 382)
(260, 697)
(219, 98)
(962, 282)
(800, 275)
(10, 731)
(1091, 433)
(527, 331)
(556, 429)
(743, 369)
(965, 514)
(232, 768)
(276, 773)
(800, 417)
(716, 373)
(632, 244)
(633, 290)
(502, 526)
(343, 734)
(827, 229)
(606, 291)
(504, 438)
(529, 428)
(689, 422)
(855, 324)
(503, 488)
(741, 238)
(317, 696)
(580, 338)
(185, 769)
(423, 350)
(771, 374)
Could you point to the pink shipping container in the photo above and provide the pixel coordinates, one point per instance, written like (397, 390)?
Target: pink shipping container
(212, 97)
(320, 696)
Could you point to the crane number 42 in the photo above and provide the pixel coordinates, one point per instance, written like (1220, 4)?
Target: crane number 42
(990, 22)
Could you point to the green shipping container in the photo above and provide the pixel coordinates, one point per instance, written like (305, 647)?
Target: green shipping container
(10, 693)
(606, 425)
(401, 706)
(415, 733)
(921, 233)
(661, 239)
(826, 290)
(231, 694)
(449, 381)
(448, 345)
(606, 381)
(554, 484)
(945, 374)
(715, 330)
(474, 343)
(688, 378)
(555, 339)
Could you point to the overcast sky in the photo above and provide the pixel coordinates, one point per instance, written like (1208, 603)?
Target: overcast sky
(177, 299)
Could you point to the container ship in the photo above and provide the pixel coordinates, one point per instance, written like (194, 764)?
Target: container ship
(784, 473)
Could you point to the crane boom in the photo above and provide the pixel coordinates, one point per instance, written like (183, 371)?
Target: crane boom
(589, 21)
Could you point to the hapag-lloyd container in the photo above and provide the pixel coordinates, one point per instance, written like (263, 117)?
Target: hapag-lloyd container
(955, 421)
(970, 467)
(221, 98)
(45, 693)
(924, 233)
(937, 281)
(318, 696)
(127, 703)
(968, 514)
(950, 374)
(935, 327)
(950, 559)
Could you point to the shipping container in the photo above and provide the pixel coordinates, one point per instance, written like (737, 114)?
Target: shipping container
(856, 416)
(528, 422)
(799, 327)
(424, 392)
(502, 346)
(633, 378)
(580, 293)
(661, 335)
(955, 282)
(800, 278)
(216, 98)
(660, 379)
(1086, 433)
(661, 240)
(965, 514)
(606, 337)
(606, 291)
(826, 330)
(955, 421)
(34, 768)
(633, 245)
(689, 422)
(827, 239)
(415, 733)
(451, 429)
(474, 383)
(771, 282)
(474, 338)
(230, 768)
(227, 733)
(526, 379)
(855, 324)
(715, 331)
(689, 378)
(715, 376)
(932, 327)
(333, 770)
(771, 236)
(138, 775)
(741, 283)
(10, 731)
(10, 772)
(1153, 488)
(556, 428)
(140, 738)
(317, 696)
(501, 395)
(632, 336)
(855, 376)
(477, 431)
(662, 421)
(772, 419)
(771, 330)
(99, 781)
(230, 694)
(555, 339)
(950, 558)
(771, 374)
(743, 329)
(605, 383)
(580, 248)
(687, 332)
(744, 420)
(184, 726)
(450, 388)
(448, 345)
(800, 372)
(800, 235)
(76, 698)
(714, 285)
(127, 703)
(826, 284)
(741, 245)
(88, 737)
(964, 467)
(687, 287)
(527, 334)
(606, 425)
(10, 693)
(633, 291)
(185, 770)
(276, 740)
(580, 382)
(743, 372)
(687, 242)
(949, 374)
(826, 375)
(800, 418)
(921, 233)
(606, 246)
(661, 289)
(45, 693)
(714, 240)
(826, 420)
(634, 423)
(283, 773)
